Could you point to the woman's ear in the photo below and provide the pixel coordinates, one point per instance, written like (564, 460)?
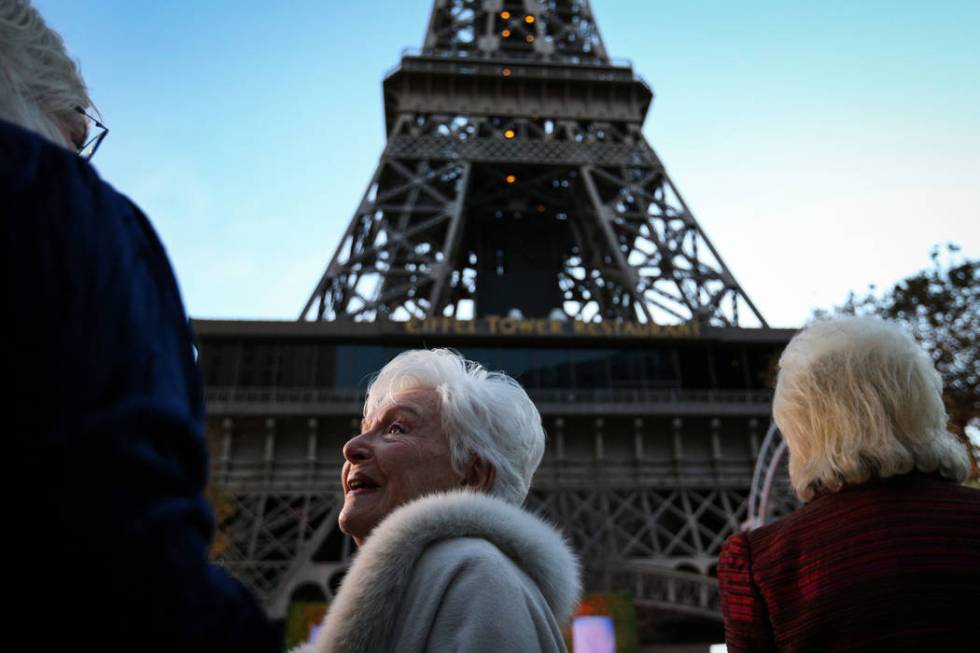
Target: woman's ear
(480, 475)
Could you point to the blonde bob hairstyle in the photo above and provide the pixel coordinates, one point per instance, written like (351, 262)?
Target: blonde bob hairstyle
(484, 414)
(40, 86)
(857, 398)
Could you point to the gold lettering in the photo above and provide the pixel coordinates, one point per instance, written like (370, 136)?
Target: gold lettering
(411, 326)
(508, 326)
(556, 327)
(492, 324)
(632, 329)
(579, 328)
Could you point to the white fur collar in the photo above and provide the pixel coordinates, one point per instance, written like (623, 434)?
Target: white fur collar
(361, 616)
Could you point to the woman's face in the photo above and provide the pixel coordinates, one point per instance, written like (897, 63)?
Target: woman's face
(402, 453)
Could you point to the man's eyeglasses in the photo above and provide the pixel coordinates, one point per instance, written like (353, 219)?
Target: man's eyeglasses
(87, 151)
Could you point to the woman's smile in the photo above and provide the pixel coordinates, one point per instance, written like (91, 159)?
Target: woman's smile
(402, 453)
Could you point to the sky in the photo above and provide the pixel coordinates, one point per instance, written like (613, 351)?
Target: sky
(822, 147)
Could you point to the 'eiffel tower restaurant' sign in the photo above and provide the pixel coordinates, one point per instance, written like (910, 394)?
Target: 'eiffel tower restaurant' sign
(495, 325)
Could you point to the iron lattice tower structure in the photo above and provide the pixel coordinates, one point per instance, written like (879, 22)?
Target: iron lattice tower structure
(516, 176)
(516, 182)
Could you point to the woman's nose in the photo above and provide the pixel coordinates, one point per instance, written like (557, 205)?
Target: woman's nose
(357, 449)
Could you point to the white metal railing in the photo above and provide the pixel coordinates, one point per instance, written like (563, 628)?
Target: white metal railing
(557, 57)
(469, 63)
(666, 588)
(245, 394)
(325, 475)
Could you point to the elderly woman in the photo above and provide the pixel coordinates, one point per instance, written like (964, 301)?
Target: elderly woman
(885, 555)
(433, 485)
(105, 417)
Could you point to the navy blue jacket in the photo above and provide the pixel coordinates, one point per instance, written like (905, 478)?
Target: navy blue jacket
(105, 457)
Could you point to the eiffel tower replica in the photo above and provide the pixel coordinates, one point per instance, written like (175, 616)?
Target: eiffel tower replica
(516, 176)
(519, 215)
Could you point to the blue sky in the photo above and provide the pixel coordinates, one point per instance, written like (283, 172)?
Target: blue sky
(822, 146)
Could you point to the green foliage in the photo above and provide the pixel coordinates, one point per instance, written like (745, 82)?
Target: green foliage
(221, 502)
(941, 308)
(301, 617)
(617, 605)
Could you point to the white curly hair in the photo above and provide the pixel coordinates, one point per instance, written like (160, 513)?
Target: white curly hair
(856, 398)
(40, 86)
(484, 414)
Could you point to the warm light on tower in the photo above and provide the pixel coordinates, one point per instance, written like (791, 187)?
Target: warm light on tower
(510, 179)
(509, 133)
(505, 34)
(505, 72)
(505, 15)
(529, 19)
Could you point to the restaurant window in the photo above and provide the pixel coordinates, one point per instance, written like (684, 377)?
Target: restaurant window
(518, 364)
(258, 364)
(730, 367)
(763, 364)
(219, 362)
(659, 370)
(695, 370)
(626, 369)
(296, 365)
(553, 367)
(590, 368)
(325, 365)
(357, 364)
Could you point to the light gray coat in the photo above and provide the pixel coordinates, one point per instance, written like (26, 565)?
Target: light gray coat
(455, 572)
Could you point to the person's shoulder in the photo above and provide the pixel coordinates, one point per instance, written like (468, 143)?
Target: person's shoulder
(475, 554)
(43, 182)
(945, 499)
(851, 510)
(21, 151)
(468, 563)
(27, 160)
(935, 484)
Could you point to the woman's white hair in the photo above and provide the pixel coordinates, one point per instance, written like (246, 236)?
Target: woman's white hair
(40, 86)
(857, 398)
(485, 414)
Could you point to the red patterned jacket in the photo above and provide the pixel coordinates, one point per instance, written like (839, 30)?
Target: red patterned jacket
(890, 565)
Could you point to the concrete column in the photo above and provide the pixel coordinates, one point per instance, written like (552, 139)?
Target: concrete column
(227, 431)
(312, 425)
(638, 438)
(677, 425)
(754, 437)
(559, 439)
(599, 445)
(227, 428)
(270, 441)
(716, 439)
